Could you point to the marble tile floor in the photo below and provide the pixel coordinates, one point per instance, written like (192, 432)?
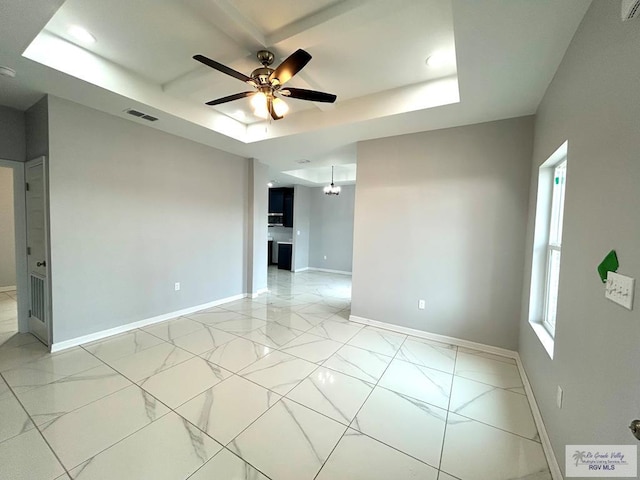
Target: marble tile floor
(280, 387)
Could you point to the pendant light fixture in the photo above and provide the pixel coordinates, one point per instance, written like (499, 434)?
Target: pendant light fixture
(331, 189)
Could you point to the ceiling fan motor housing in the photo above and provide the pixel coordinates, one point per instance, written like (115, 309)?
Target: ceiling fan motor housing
(261, 75)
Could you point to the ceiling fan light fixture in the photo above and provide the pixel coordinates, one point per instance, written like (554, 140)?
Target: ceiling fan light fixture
(259, 104)
(280, 107)
(259, 101)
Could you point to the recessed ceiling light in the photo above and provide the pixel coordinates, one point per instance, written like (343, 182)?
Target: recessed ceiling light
(7, 72)
(437, 60)
(81, 34)
(270, 184)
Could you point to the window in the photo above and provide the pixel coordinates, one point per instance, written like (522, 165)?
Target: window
(554, 247)
(547, 247)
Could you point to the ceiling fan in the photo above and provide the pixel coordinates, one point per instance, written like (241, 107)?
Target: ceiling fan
(268, 83)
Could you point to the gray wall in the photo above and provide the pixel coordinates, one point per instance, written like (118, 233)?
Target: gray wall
(441, 216)
(7, 229)
(594, 103)
(134, 210)
(12, 136)
(331, 229)
(301, 212)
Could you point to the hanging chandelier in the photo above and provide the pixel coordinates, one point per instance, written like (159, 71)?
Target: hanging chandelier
(331, 189)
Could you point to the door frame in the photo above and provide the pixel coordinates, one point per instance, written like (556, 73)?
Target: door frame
(47, 246)
(20, 229)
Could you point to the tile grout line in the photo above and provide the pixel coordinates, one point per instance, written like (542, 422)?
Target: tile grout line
(282, 396)
(37, 428)
(168, 407)
(280, 348)
(359, 409)
(446, 421)
(172, 410)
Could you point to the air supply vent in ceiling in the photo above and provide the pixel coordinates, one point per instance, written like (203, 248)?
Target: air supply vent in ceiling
(630, 9)
(142, 115)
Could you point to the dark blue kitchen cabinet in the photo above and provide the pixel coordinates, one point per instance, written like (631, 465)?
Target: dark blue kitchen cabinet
(281, 201)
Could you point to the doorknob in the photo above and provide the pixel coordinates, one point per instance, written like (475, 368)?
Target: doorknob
(635, 428)
(41, 264)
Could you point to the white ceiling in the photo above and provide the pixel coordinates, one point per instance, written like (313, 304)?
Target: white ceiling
(371, 53)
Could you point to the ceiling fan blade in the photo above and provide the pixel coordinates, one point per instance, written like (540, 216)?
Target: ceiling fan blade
(231, 98)
(311, 95)
(223, 68)
(292, 65)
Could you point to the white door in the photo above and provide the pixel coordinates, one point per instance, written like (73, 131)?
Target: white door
(37, 249)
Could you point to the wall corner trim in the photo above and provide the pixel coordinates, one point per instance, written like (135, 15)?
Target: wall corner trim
(92, 337)
(556, 474)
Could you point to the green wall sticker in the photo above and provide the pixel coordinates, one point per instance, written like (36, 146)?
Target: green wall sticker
(609, 264)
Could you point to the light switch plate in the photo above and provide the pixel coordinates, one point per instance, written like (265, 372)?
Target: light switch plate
(620, 289)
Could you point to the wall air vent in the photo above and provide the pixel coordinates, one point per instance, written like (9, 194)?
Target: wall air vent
(630, 9)
(309, 161)
(142, 115)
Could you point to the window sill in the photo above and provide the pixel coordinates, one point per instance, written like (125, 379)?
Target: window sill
(544, 336)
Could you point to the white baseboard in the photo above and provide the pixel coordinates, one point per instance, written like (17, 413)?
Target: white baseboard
(436, 337)
(258, 293)
(92, 337)
(10, 288)
(556, 473)
(301, 270)
(327, 270)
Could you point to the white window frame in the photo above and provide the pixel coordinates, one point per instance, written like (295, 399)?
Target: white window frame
(554, 245)
(547, 241)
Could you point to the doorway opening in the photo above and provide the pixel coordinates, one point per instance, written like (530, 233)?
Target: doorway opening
(8, 282)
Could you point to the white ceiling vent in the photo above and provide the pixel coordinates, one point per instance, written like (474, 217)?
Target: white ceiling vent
(139, 114)
(630, 9)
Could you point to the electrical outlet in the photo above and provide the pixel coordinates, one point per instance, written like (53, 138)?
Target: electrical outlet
(619, 289)
(559, 397)
(177, 286)
(421, 304)
(298, 232)
(325, 257)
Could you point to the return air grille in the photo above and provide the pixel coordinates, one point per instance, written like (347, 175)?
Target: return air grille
(142, 115)
(37, 298)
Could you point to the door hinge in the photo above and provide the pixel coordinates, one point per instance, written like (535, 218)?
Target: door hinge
(28, 250)
(29, 312)
(26, 186)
